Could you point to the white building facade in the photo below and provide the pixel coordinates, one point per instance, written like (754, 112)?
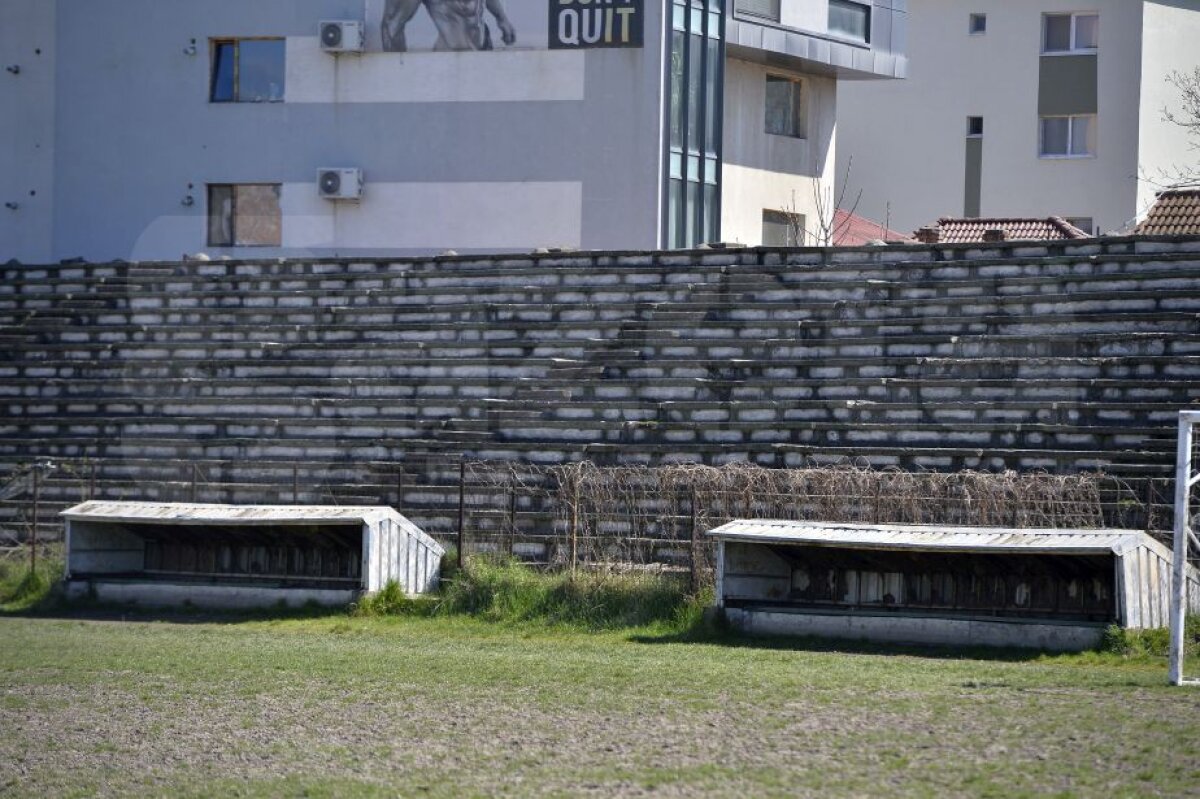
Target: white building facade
(146, 129)
(1023, 108)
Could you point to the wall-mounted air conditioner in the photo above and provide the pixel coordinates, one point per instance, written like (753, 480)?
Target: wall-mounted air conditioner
(342, 36)
(340, 183)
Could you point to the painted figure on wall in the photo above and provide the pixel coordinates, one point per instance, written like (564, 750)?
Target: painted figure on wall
(459, 23)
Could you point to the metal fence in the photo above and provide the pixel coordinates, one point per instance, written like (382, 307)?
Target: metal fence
(582, 514)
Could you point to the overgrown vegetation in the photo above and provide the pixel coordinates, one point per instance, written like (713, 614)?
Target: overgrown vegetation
(511, 592)
(1150, 643)
(21, 589)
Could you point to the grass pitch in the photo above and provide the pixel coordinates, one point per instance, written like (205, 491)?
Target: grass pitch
(339, 705)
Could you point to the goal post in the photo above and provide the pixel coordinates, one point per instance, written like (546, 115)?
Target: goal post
(1186, 478)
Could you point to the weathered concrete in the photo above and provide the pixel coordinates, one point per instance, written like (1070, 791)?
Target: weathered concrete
(908, 629)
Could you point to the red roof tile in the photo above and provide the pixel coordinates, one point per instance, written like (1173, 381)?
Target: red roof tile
(958, 230)
(1175, 212)
(852, 230)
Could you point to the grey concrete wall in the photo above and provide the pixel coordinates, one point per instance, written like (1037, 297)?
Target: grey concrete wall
(901, 629)
(221, 597)
(27, 129)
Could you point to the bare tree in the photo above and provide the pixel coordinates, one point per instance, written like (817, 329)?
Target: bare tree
(1185, 115)
(825, 229)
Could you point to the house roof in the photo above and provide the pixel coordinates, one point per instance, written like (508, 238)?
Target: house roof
(852, 230)
(960, 230)
(936, 537)
(1175, 212)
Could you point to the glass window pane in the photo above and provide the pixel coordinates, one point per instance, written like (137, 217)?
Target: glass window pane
(1055, 135)
(851, 20)
(711, 170)
(693, 167)
(712, 62)
(695, 63)
(260, 70)
(674, 210)
(978, 23)
(220, 216)
(257, 219)
(714, 25)
(690, 233)
(1087, 31)
(711, 213)
(676, 162)
(1082, 136)
(1057, 35)
(678, 17)
(783, 106)
(677, 42)
(221, 89)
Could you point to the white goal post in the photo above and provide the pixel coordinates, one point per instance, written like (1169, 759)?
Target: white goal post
(1186, 479)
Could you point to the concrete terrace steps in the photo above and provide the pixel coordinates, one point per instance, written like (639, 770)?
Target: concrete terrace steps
(625, 349)
(1065, 357)
(715, 288)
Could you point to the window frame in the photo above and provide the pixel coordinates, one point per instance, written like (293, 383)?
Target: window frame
(845, 37)
(799, 97)
(974, 17)
(236, 42)
(1042, 154)
(1073, 48)
(233, 214)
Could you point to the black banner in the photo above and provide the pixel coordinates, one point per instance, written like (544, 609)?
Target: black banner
(578, 24)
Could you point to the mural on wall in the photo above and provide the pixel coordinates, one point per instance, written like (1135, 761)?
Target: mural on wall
(403, 26)
(460, 24)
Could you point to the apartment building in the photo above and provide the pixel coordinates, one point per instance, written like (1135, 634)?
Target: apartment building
(145, 129)
(1023, 108)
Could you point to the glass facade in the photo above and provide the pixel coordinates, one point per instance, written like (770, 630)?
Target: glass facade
(694, 146)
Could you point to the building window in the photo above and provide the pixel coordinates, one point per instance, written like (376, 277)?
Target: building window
(849, 19)
(1067, 137)
(766, 9)
(1084, 223)
(784, 110)
(247, 71)
(1070, 33)
(977, 24)
(694, 111)
(244, 215)
(974, 127)
(782, 229)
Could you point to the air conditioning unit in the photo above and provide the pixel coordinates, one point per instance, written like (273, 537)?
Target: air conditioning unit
(342, 36)
(340, 184)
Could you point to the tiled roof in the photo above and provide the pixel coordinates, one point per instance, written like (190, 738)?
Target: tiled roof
(1176, 212)
(957, 230)
(852, 230)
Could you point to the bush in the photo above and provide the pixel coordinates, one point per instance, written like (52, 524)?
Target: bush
(21, 589)
(390, 601)
(1150, 643)
(510, 591)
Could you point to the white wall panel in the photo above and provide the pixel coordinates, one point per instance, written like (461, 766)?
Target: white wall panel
(314, 76)
(499, 215)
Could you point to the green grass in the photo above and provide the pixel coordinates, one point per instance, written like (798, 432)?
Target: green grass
(518, 684)
(22, 590)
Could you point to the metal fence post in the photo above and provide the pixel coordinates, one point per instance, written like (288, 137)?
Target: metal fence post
(462, 509)
(695, 542)
(512, 512)
(33, 529)
(574, 522)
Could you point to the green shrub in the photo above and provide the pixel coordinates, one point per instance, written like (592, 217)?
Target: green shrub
(512, 592)
(1150, 643)
(389, 601)
(21, 589)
